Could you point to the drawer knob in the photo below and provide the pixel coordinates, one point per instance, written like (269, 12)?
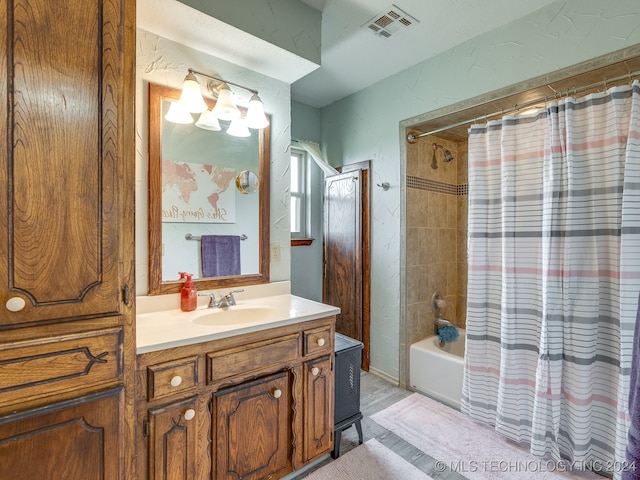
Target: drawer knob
(277, 393)
(189, 414)
(176, 381)
(315, 371)
(15, 304)
(321, 342)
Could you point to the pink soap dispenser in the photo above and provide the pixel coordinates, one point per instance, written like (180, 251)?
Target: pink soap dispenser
(188, 295)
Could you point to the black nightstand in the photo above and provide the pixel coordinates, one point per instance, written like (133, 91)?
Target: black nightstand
(348, 353)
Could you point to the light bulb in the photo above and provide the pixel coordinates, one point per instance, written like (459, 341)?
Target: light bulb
(191, 96)
(255, 113)
(208, 121)
(225, 108)
(177, 114)
(238, 128)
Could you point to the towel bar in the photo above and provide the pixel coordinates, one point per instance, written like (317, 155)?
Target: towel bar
(188, 236)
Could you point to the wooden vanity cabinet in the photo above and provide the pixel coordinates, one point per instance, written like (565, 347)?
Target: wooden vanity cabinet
(253, 439)
(252, 406)
(67, 177)
(173, 433)
(318, 412)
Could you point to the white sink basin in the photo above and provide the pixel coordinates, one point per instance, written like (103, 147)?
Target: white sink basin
(234, 315)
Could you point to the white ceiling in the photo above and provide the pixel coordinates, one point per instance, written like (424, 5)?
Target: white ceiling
(354, 58)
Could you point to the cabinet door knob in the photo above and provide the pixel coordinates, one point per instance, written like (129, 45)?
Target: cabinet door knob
(315, 371)
(189, 414)
(277, 393)
(15, 304)
(176, 381)
(321, 342)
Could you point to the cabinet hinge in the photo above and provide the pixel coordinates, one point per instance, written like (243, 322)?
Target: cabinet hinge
(145, 428)
(125, 294)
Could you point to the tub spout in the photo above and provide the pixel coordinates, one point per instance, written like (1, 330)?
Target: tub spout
(441, 322)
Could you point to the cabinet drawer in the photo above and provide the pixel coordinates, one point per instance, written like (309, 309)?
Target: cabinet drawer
(318, 340)
(246, 358)
(171, 377)
(43, 367)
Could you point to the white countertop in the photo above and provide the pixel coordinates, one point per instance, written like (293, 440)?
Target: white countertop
(157, 330)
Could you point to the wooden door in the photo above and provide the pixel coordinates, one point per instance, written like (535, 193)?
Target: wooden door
(346, 251)
(63, 168)
(318, 408)
(252, 434)
(76, 440)
(172, 441)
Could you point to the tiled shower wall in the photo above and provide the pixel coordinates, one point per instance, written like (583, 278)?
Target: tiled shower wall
(436, 234)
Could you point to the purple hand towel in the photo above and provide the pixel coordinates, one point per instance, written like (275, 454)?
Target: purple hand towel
(632, 472)
(220, 255)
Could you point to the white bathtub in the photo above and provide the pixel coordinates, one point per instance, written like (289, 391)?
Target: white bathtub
(437, 372)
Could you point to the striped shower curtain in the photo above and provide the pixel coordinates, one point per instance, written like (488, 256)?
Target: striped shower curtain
(554, 275)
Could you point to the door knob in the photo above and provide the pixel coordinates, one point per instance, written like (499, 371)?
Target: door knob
(321, 342)
(176, 381)
(315, 371)
(277, 393)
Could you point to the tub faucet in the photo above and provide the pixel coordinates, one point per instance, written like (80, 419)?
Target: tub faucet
(441, 322)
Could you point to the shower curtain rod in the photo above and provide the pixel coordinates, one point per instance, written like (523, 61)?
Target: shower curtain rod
(411, 138)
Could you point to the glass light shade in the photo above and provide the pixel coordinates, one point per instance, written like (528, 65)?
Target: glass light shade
(177, 114)
(238, 128)
(191, 96)
(208, 121)
(225, 108)
(255, 113)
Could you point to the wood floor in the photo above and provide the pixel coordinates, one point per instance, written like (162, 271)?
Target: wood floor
(376, 394)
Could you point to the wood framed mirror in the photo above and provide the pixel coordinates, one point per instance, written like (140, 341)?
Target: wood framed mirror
(176, 231)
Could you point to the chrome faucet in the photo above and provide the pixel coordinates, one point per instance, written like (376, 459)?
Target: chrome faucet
(223, 302)
(212, 299)
(441, 322)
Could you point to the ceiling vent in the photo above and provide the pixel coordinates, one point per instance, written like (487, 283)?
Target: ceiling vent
(389, 22)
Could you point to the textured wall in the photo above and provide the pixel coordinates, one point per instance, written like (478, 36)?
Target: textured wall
(366, 125)
(165, 62)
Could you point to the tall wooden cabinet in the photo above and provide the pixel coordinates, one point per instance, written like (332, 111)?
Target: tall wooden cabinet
(67, 343)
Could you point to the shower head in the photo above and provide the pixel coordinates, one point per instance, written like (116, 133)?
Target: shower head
(448, 156)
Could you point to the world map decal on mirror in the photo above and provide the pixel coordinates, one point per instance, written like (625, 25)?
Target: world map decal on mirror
(197, 193)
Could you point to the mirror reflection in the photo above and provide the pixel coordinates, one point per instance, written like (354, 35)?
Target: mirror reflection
(208, 207)
(247, 182)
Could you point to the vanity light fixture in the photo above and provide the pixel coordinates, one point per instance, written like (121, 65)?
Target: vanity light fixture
(191, 97)
(238, 128)
(191, 101)
(208, 121)
(177, 114)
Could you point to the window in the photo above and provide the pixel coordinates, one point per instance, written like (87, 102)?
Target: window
(299, 186)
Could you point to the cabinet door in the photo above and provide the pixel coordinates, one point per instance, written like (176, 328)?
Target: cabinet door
(73, 440)
(318, 407)
(253, 429)
(172, 441)
(63, 177)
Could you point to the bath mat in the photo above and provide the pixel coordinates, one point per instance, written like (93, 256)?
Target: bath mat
(369, 461)
(475, 451)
